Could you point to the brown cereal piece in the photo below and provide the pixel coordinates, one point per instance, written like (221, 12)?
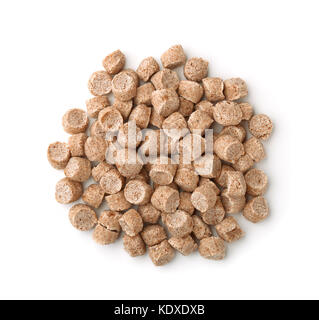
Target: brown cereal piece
(93, 195)
(168, 146)
(212, 248)
(203, 180)
(67, 191)
(213, 88)
(82, 217)
(256, 209)
(153, 234)
(196, 69)
(124, 86)
(128, 163)
(260, 126)
(144, 94)
(95, 148)
(96, 104)
(97, 130)
(100, 170)
(134, 246)
(112, 182)
(110, 220)
(134, 75)
(186, 178)
(208, 166)
(142, 176)
(162, 253)
(156, 119)
(227, 113)
(173, 57)
(247, 110)
(179, 223)
(124, 107)
(165, 79)
(163, 171)
(185, 203)
(147, 68)
(229, 230)
(199, 121)
(232, 204)
(204, 197)
(103, 236)
(76, 144)
(149, 213)
(255, 149)
(100, 83)
(171, 185)
(236, 184)
(114, 62)
(221, 180)
(190, 90)
(244, 163)
(117, 202)
(58, 155)
(237, 132)
(186, 107)
(110, 119)
(191, 147)
(75, 121)
(131, 222)
(165, 101)
(200, 229)
(185, 245)
(175, 125)
(235, 89)
(205, 106)
(151, 146)
(138, 192)
(129, 135)
(257, 182)
(78, 169)
(141, 115)
(215, 215)
(228, 148)
(165, 199)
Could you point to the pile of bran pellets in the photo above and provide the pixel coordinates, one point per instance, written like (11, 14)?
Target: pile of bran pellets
(163, 205)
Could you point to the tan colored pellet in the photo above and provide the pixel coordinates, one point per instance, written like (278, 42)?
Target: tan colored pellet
(257, 182)
(129, 141)
(199, 121)
(165, 101)
(156, 119)
(124, 86)
(112, 181)
(227, 113)
(185, 245)
(175, 125)
(110, 119)
(101, 169)
(196, 69)
(110, 220)
(229, 230)
(131, 222)
(134, 246)
(237, 132)
(260, 126)
(124, 107)
(78, 169)
(128, 163)
(165, 79)
(100, 83)
(208, 166)
(204, 197)
(93, 195)
(244, 163)
(256, 209)
(144, 94)
(147, 68)
(200, 229)
(142, 176)
(97, 130)
(215, 215)
(205, 106)
(255, 149)
(58, 155)
(235, 183)
(141, 115)
(213, 88)
(221, 180)
(173, 57)
(75, 121)
(96, 104)
(190, 90)
(232, 204)
(117, 202)
(247, 110)
(82, 217)
(134, 75)
(185, 203)
(165, 199)
(163, 171)
(161, 253)
(67, 191)
(138, 192)
(186, 107)
(186, 178)
(235, 89)
(114, 62)
(212, 248)
(203, 180)
(191, 147)
(149, 213)
(76, 144)
(228, 148)
(103, 236)
(179, 223)
(153, 234)
(95, 148)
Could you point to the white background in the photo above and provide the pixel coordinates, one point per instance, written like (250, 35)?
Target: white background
(48, 51)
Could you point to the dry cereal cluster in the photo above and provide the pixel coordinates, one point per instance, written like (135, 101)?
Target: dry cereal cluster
(144, 139)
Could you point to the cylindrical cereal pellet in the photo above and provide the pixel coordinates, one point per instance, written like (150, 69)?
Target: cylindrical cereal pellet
(75, 121)
(163, 171)
(110, 119)
(212, 248)
(149, 213)
(141, 115)
(96, 104)
(196, 69)
(175, 126)
(129, 135)
(236, 184)
(76, 144)
(213, 88)
(67, 191)
(227, 113)
(131, 222)
(185, 245)
(82, 217)
(165, 79)
(179, 223)
(199, 121)
(260, 126)
(161, 253)
(200, 229)
(153, 234)
(78, 169)
(112, 182)
(95, 148)
(165, 101)
(244, 163)
(228, 148)
(247, 110)
(216, 215)
(144, 94)
(117, 202)
(237, 132)
(208, 166)
(104, 236)
(221, 180)
(124, 86)
(204, 197)
(114, 62)
(173, 57)
(229, 230)
(232, 204)
(235, 89)
(124, 107)
(255, 149)
(256, 209)
(134, 246)
(205, 106)
(190, 90)
(100, 83)
(186, 179)
(147, 68)
(165, 199)
(99, 171)
(257, 182)
(185, 202)
(138, 192)
(128, 163)
(93, 195)
(58, 155)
